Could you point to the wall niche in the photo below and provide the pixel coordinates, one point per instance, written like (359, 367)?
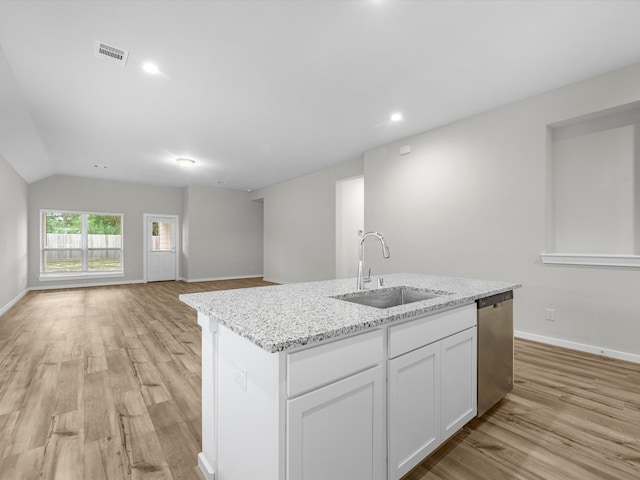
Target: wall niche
(593, 177)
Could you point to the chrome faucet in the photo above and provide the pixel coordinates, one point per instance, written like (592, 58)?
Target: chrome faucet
(385, 254)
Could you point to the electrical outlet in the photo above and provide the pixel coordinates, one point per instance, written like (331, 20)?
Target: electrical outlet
(550, 315)
(240, 377)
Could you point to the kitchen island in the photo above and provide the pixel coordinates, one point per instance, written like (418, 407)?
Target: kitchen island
(299, 385)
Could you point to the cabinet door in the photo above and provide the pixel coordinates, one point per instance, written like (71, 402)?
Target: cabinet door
(336, 432)
(414, 408)
(459, 381)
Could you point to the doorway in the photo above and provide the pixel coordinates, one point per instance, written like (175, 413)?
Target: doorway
(161, 247)
(349, 224)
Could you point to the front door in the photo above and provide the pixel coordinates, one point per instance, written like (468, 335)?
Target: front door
(161, 248)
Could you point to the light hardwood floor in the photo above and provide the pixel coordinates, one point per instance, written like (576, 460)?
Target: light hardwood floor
(104, 383)
(571, 416)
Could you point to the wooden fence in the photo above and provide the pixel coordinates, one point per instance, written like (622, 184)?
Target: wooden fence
(61, 240)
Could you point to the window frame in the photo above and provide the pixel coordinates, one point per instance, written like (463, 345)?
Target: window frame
(84, 248)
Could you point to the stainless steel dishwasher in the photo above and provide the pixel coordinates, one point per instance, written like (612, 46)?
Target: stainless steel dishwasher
(495, 349)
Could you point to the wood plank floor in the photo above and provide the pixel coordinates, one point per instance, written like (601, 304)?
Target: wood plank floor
(570, 416)
(104, 383)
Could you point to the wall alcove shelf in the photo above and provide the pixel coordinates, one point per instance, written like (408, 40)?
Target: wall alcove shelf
(592, 177)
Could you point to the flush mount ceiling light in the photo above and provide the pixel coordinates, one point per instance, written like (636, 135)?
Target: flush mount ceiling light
(185, 162)
(396, 117)
(151, 68)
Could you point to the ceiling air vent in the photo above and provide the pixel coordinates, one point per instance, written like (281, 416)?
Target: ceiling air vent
(111, 53)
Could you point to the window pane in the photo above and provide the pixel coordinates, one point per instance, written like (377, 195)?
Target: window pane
(104, 231)
(104, 224)
(104, 260)
(63, 230)
(62, 261)
(161, 236)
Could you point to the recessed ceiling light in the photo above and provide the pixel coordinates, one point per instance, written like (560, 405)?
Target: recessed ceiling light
(151, 68)
(396, 117)
(185, 162)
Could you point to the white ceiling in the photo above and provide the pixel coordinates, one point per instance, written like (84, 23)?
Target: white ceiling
(258, 92)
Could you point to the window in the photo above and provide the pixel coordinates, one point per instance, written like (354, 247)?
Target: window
(80, 244)
(161, 237)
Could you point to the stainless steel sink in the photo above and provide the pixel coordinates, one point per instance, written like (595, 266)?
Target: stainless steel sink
(389, 297)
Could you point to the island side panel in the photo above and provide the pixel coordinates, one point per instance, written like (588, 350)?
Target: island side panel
(207, 457)
(250, 410)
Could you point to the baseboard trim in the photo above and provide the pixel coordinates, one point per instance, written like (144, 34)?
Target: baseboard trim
(215, 279)
(605, 352)
(205, 468)
(10, 305)
(81, 285)
(275, 280)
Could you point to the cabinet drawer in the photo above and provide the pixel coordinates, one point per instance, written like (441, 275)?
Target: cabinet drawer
(320, 365)
(417, 333)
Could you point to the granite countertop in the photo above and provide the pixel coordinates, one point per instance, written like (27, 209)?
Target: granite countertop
(277, 318)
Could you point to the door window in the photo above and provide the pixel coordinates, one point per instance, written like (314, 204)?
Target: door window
(161, 237)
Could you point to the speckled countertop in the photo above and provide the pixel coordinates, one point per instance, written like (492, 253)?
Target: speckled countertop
(281, 317)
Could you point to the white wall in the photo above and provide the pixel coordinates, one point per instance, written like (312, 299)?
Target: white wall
(90, 195)
(19, 137)
(470, 200)
(221, 229)
(13, 236)
(223, 233)
(300, 225)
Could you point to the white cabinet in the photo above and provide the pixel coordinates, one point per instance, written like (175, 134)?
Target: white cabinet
(335, 414)
(414, 408)
(336, 432)
(369, 406)
(314, 367)
(432, 389)
(459, 381)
